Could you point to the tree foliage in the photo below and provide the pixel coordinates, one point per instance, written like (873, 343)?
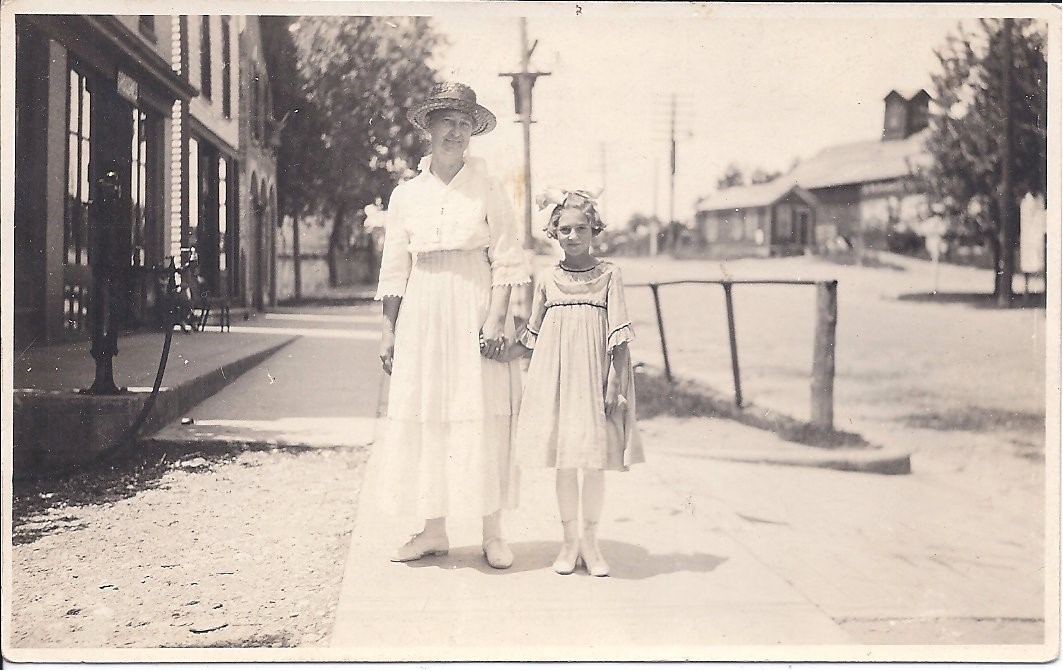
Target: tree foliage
(732, 176)
(762, 176)
(967, 124)
(344, 84)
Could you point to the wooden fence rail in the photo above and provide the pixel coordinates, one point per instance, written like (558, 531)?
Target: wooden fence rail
(822, 384)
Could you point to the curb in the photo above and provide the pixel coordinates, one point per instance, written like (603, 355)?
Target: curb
(863, 461)
(196, 445)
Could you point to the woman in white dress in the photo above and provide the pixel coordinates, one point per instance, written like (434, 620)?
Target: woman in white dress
(450, 259)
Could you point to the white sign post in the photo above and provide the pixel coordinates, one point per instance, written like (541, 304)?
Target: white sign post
(1033, 221)
(934, 235)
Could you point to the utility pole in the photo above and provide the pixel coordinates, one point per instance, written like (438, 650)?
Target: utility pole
(671, 182)
(522, 83)
(605, 200)
(1007, 226)
(655, 220)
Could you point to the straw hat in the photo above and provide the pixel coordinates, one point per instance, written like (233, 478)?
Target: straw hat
(453, 96)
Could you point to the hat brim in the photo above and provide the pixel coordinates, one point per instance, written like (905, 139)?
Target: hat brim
(484, 119)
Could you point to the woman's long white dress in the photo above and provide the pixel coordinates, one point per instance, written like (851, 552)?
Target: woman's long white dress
(446, 446)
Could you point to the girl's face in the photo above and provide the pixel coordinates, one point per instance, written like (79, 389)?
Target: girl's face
(574, 232)
(451, 131)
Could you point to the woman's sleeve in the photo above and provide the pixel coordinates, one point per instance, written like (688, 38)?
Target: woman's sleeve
(504, 252)
(395, 259)
(619, 325)
(530, 334)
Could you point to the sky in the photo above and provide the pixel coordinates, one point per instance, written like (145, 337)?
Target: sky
(752, 87)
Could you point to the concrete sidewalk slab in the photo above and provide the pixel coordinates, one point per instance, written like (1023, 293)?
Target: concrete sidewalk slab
(319, 392)
(679, 587)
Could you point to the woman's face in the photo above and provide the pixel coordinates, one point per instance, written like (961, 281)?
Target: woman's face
(574, 232)
(450, 131)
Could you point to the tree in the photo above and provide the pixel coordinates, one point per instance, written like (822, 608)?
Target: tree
(968, 138)
(762, 176)
(346, 143)
(732, 176)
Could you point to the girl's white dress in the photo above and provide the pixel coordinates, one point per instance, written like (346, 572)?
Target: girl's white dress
(577, 318)
(446, 444)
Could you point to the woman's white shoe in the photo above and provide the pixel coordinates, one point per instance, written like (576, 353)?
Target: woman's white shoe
(497, 553)
(421, 546)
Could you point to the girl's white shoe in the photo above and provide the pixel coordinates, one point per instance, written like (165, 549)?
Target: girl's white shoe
(589, 552)
(569, 554)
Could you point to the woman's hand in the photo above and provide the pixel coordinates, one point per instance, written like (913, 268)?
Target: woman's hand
(492, 340)
(387, 350)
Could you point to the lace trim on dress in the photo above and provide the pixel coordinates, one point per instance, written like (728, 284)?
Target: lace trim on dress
(528, 338)
(620, 335)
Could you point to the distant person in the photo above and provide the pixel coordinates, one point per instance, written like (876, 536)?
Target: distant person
(449, 260)
(578, 410)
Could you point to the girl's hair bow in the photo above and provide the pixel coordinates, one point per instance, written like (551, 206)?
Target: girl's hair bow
(557, 196)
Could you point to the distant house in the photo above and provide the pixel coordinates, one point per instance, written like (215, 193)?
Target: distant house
(868, 189)
(862, 191)
(772, 219)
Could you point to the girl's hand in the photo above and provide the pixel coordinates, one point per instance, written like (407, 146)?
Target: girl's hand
(492, 340)
(512, 352)
(387, 351)
(612, 396)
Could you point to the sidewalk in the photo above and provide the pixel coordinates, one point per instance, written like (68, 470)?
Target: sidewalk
(679, 586)
(55, 428)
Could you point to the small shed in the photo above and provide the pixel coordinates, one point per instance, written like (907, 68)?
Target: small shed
(773, 219)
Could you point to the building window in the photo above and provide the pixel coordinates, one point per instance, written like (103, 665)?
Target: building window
(193, 191)
(204, 57)
(76, 210)
(223, 216)
(226, 68)
(147, 26)
(738, 227)
(254, 105)
(138, 187)
(712, 228)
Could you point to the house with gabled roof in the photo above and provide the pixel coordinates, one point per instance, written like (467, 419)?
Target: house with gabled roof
(860, 192)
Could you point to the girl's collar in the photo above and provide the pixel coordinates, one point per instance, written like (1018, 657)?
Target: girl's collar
(561, 265)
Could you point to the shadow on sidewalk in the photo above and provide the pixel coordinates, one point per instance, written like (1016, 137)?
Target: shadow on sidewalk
(627, 561)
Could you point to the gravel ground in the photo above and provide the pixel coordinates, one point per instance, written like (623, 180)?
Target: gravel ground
(234, 550)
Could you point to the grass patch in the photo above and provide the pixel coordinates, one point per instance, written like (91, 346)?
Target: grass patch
(973, 418)
(685, 398)
(981, 301)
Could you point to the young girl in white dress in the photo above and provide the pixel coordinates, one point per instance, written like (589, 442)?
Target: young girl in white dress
(577, 414)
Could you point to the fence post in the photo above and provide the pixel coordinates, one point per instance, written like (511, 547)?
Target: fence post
(823, 355)
(734, 342)
(660, 328)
